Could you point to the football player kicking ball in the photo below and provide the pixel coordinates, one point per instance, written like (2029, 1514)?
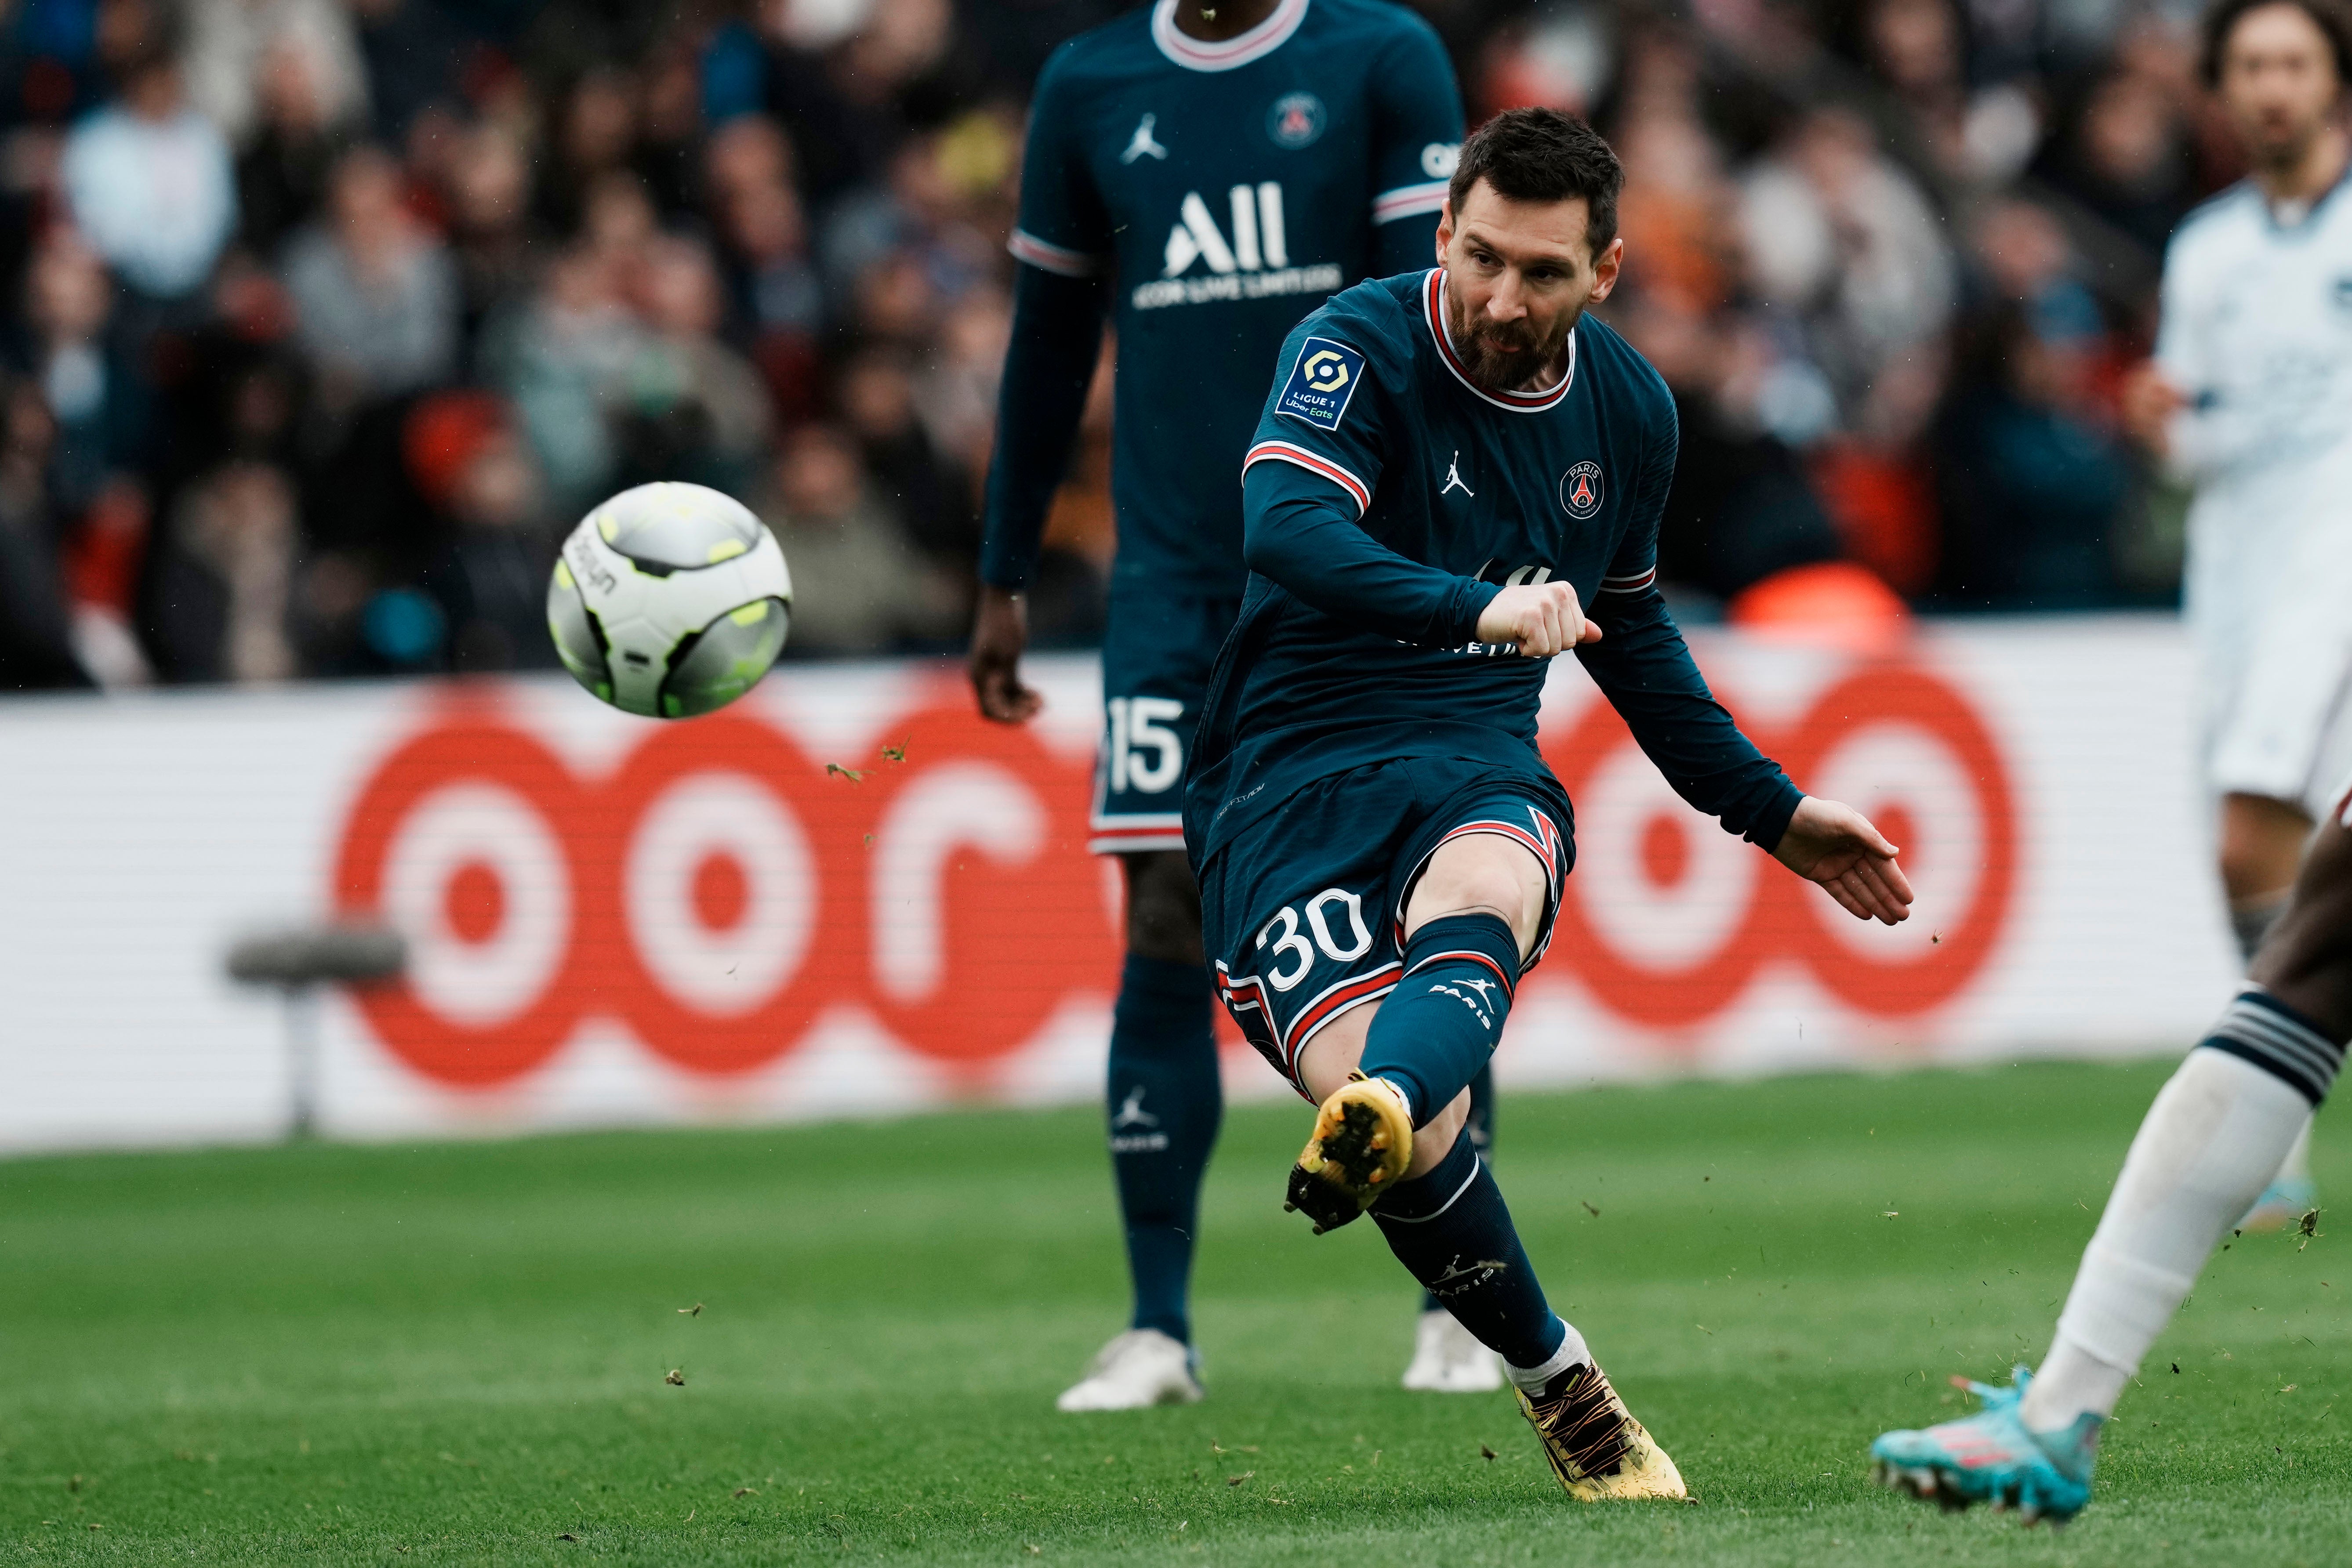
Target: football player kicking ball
(1451, 466)
(1205, 171)
(2216, 1133)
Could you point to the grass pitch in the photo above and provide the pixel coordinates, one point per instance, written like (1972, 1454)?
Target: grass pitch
(458, 1353)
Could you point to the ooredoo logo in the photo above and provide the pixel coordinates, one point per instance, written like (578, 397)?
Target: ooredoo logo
(718, 889)
(1667, 919)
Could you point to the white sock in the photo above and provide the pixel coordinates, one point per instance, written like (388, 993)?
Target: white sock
(2206, 1150)
(1571, 1353)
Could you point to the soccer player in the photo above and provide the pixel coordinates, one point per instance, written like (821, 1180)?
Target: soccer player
(1451, 466)
(2251, 395)
(2216, 1133)
(1206, 171)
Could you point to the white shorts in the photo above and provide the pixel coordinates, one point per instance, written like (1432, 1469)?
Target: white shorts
(2274, 649)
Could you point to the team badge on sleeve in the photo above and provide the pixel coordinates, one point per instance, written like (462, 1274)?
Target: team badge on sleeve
(1579, 490)
(1321, 383)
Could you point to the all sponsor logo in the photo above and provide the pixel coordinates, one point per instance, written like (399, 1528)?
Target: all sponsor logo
(1248, 257)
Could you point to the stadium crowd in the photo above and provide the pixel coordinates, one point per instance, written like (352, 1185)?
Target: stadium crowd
(324, 317)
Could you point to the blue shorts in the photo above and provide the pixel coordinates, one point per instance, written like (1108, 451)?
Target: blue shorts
(1158, 651)
(1303, 911)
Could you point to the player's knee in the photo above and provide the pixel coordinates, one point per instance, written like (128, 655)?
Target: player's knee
(1163, 908)
(1479, 891)
(2261, 843)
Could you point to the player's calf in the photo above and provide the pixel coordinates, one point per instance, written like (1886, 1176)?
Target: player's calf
(1438, 1029)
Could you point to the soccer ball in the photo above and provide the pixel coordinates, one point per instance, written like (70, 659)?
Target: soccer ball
(669, 600)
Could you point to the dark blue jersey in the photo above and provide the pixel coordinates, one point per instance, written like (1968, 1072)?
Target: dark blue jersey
(1387, 499)
(1217, 192)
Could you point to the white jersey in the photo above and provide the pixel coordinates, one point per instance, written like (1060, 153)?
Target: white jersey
(2257, 333)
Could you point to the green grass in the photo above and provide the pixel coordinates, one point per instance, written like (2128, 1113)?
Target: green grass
(456, 1353)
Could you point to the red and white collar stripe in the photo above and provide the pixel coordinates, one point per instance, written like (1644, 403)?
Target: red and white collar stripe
(1432, 296)
(1227, 54)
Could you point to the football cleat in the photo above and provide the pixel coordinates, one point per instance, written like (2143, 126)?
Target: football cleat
(1596, 1448)
(1362, 1141)
(1447, 1360)
(1137, 1369)
(2287, 1200)
(1990, 1457)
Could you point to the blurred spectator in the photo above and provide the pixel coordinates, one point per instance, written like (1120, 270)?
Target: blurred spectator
(489, 199)
(490, 581)
(413, 53)
(697, 403)
(35, 631)
(956, 390)
(376, 292)
(931, 493)
(297, 130)
(858, 587)
(2125, 157)
(1741, 508)
(2036, 491)
(221, 596)
(93, 401)
(149, 183)
(1839, 238)
(243, 53)
(775, 300)
(562, 355)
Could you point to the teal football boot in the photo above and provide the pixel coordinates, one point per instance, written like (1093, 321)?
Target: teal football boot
(1989, 1456)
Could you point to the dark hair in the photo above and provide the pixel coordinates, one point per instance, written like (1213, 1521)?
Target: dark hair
(2329, 17)
(1543, 155)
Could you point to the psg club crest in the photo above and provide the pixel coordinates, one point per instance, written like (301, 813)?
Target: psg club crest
(1295, 120)
(1579, 490)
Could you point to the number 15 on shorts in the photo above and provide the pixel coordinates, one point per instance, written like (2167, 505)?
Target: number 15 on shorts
(1146, 756)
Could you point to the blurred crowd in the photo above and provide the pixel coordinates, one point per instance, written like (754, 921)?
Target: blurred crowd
(325, 317)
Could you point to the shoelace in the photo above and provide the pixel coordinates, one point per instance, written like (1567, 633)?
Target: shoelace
(1587, 1422)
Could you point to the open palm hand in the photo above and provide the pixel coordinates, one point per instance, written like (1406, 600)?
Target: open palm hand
(1836, 846)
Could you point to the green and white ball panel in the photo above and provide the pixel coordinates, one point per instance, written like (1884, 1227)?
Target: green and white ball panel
(669, 600)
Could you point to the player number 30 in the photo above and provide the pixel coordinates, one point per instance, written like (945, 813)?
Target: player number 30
(1319, 921)
(1145, 755)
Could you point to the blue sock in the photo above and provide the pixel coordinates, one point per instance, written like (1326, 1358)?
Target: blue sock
(1436, 1030)
(1480, 1131)
(1164, 1104)
(1452, 1230)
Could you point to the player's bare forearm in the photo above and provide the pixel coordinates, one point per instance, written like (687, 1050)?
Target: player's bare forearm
(1000, 634)
(1835, 845)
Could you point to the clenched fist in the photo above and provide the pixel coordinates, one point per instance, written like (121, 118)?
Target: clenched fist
(1542, 618)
